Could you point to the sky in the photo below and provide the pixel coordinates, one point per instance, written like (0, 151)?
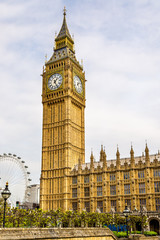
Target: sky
(119, 42)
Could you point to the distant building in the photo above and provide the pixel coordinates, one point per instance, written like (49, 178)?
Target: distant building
(33, 198)
(34, 191)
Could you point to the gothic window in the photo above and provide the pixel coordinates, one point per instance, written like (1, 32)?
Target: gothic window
(74, 192)
(114, 204)
(157, 173)
(157, 186)
(126, 175)
(74, 180)
(126, 188)
(141, 174)
(100, 205)
(142, 202)
(74, 206)
(99, 191)
(86, 179)
(112, 177)
(86, 191)
(113, 190)
(157, 204)
(99, 178)
(87, 206)
(141, 187)
(128, 203)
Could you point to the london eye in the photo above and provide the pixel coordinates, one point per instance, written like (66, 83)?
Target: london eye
(15, 171)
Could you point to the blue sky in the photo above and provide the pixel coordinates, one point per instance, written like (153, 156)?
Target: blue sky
(119, 42)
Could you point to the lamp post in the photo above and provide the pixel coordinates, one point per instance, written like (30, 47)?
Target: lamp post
(5, 194)
(126, 213)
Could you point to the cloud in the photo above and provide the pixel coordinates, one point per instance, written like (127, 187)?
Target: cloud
(119, 43)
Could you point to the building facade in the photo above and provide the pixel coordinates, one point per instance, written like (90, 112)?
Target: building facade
(110, 185)
(63, 98)
(67, 182)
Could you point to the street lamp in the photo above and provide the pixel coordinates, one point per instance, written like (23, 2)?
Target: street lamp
(126, 213)
(5, 194)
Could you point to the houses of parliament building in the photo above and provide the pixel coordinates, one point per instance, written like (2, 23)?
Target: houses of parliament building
(67, 182)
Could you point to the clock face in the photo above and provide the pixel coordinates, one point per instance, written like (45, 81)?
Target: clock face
(55, 81)
(78, 84)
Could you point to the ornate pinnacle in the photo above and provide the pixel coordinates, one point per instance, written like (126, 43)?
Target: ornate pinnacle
(147, 153)
(91, 157)
(117, 153)
(132, 155)
(64, 11)
(132, 152)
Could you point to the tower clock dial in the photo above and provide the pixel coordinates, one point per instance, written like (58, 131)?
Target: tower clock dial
(77, 84)
(55, 81)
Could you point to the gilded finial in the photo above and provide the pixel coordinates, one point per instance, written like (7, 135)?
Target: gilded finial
(64, 11)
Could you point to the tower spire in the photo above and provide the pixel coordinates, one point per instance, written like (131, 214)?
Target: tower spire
(64, 32)
(63, 39)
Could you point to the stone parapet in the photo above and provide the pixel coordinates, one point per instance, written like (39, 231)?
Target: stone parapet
(56, 233)
(142, 237)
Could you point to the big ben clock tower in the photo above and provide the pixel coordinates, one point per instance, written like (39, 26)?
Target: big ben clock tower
(63, 141)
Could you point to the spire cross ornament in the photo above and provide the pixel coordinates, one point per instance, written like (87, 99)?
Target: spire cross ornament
(64, 11)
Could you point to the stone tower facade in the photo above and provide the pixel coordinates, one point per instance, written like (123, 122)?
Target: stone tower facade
(63, 141)
(67, 182)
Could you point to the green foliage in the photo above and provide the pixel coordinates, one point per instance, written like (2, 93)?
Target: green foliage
(16, 217)
(150, 233)
(120, 234)
(136, 232)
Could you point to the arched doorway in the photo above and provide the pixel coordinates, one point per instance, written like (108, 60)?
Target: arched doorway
(154, 225)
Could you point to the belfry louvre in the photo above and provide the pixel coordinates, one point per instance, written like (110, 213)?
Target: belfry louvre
(67, 182)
